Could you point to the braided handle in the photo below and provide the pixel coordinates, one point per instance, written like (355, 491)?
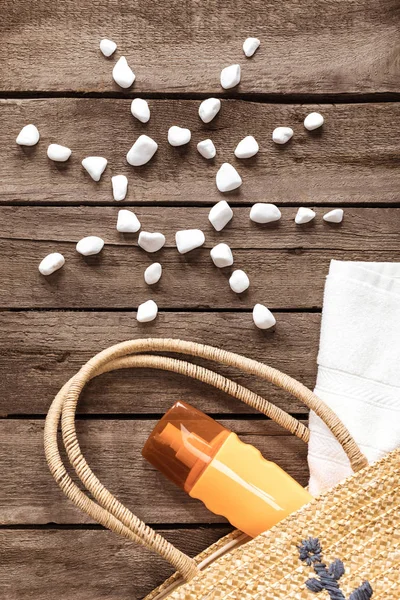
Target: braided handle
(107, 510)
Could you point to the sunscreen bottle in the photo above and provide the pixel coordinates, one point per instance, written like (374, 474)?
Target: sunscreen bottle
(212, 464)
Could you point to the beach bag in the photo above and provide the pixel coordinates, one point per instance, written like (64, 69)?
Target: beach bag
(343, 545)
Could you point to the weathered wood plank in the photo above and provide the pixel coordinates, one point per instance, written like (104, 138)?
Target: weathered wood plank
(113, 450)
(87, 565)
(288, 279)
(352, 159)
(41, 350)
(363, 228)
(348, 46)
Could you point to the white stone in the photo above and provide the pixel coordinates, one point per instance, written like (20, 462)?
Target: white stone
(247, 147)
(281, 135)
(313, 121)
(228, 178)
(220, 215)
(90, 245)
(250, 45)
(153, 274)
(262, 212)
(95, 166)
(221, 256)
(140, 109)
(108, 47)
(123, 74)
(127, 222)
(151, 242)
(189, 239)
(51, 262)
(147, 311)
(263, 317)
(334, 216)
(119, 187)
(142, 151)
(178, 136)
(230, 76)
(304, 215)
(58, 153)
(28, 136)
(208, 109)
(239, 281)
(207, 149)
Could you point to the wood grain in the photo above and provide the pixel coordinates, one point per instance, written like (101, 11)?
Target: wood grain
(113, 450)
(365, 228)
(352, 159)
(87, 565)
(41, 350)
(345, 46)
(326, 51)
(285, 279)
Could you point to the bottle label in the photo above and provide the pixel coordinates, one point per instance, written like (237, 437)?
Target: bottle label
(252, 493)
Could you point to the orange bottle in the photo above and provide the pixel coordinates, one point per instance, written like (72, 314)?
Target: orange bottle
(212, 464)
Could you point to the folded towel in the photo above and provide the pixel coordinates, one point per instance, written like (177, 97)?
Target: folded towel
(358, 367)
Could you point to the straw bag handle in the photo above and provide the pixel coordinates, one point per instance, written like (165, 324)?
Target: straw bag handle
(108, 511)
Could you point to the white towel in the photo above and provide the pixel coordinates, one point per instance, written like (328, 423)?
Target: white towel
(358, 367)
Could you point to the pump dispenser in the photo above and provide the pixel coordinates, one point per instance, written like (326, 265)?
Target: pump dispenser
(212, 464)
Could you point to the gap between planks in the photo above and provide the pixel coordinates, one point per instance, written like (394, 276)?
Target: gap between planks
(150, 417)
(98, 527)
(188, 204)
(311, 310)
(260, 98)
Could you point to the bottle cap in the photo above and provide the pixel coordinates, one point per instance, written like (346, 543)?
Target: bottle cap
(183, 443)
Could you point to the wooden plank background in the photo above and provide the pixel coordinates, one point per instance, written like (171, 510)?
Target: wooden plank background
(59, 563)
(113, 449)
(41, 350)
(353, 160)
(330, 46)
(339, 57)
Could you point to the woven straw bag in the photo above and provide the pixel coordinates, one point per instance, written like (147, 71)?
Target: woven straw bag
(344, 545)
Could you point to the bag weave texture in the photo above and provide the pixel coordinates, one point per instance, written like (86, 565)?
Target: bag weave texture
(358, 521)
